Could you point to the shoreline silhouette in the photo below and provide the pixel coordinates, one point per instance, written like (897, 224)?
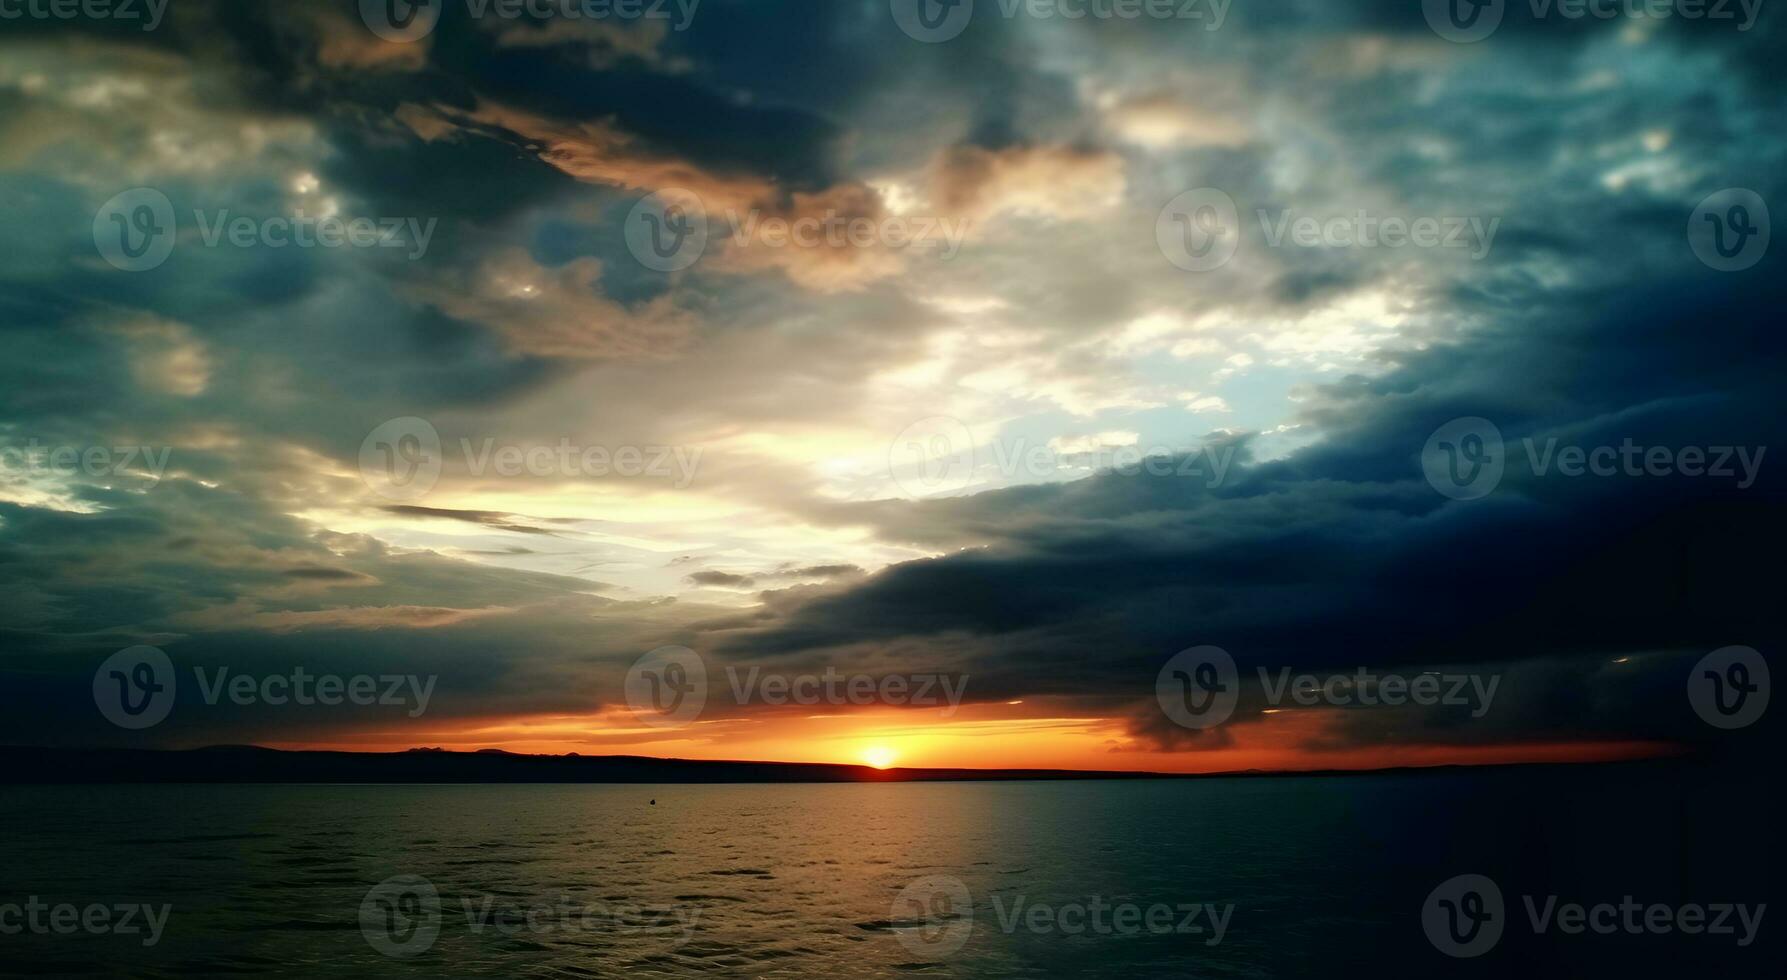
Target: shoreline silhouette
(254, 764)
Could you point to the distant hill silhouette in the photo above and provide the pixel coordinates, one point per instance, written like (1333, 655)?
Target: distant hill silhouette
(253, 764)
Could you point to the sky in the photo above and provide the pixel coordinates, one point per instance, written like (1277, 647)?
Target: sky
(519, 354)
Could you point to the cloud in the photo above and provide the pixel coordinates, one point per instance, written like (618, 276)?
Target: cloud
(357, 618)
(166, 356)
(1161, 120)
(559, 312)
(1056, 182)
(796, 370)
(485, 518)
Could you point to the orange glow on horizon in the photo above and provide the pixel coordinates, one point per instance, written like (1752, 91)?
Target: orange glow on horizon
(1034, 735)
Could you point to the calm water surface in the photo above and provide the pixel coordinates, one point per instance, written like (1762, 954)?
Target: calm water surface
(1325, 875)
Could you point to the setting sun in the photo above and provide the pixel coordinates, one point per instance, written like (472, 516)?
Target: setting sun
(879, 756)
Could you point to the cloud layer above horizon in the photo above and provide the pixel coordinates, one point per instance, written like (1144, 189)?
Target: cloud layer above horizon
(739, 455)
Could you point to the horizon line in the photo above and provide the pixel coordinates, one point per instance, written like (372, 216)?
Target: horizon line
(867, 773)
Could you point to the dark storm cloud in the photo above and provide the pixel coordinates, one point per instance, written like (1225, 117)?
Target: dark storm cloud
(1342, 555)
(320, 574)
(821, 571)
(700, 95)
(722, 578)
(789, 574)
(487, 518)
